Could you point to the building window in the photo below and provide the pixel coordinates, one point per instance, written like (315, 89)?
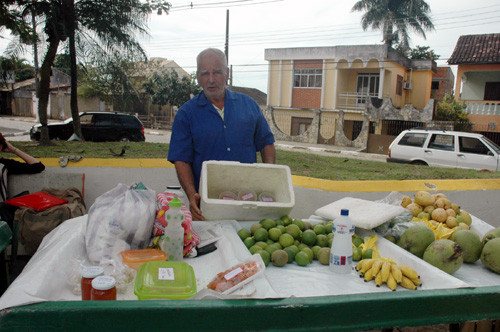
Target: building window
(435, 85)
(399, 85)
(367, 86)
(308, 78)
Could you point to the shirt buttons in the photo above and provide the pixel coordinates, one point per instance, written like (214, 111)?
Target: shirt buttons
(228, 149)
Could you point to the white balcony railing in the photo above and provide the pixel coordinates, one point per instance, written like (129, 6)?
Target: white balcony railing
(353, 100)
(483, 108)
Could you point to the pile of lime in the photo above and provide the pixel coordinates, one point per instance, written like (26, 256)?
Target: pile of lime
(286, 240)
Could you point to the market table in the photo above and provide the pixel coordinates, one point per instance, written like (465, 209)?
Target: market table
(289, 298)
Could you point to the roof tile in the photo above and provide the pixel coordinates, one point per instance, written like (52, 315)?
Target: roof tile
(476, 49)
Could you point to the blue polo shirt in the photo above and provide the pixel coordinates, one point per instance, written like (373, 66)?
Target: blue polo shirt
(199, 133)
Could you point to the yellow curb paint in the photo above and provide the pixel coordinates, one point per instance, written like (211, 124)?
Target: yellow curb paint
(99, 162)
(307, 182)
(401, 185)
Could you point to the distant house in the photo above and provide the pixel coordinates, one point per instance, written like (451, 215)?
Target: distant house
(478, 79)
(442, 83)
(344, 94)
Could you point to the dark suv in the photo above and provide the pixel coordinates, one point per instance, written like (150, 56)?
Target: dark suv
(98, 127)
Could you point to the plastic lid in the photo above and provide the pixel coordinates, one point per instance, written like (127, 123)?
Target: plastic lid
(92, 271)
(344, 212)
(174, 187)
(103, 283)
(175, 202)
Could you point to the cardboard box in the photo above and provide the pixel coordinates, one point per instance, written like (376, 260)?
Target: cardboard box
(220, 176)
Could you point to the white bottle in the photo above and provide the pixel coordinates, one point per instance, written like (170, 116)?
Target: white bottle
(172, 240)
(177, 190)
(341, 251)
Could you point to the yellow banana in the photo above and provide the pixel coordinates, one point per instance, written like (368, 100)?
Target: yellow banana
(386, 271)
(391, 282)
(358, 266)
(396, 273)
(367, 264)
(408, 272)
(378, 279)
(369, 275)
(377, 264)
(407, 283)
(416, 281)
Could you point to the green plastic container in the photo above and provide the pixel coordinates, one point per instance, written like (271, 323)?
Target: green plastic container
(165, 280)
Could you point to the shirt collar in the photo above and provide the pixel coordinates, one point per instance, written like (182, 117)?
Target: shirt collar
(203, 101)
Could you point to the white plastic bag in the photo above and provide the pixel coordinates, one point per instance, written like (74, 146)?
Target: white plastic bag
(120, 219)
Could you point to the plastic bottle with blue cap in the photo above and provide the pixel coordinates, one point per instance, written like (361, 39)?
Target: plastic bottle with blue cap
(172, 240)
(341, 252)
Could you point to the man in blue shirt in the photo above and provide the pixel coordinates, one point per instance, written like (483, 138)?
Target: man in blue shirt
(217, 124)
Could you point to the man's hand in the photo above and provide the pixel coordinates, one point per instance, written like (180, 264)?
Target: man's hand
(194, 207)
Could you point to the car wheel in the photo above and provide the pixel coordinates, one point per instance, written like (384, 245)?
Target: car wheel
(419, 162)
(125, 139)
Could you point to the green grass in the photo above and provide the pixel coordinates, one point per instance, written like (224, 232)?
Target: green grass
(305, 164)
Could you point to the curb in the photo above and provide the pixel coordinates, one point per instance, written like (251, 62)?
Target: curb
(307, 182)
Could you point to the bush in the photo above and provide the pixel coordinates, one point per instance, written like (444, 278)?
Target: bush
(451, 110)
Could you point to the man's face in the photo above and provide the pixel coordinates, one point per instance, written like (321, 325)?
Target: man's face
(212, 76)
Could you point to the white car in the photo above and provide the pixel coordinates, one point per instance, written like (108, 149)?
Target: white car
(445, 149)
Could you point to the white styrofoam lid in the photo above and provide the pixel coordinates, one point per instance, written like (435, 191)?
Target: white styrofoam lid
(364, 214)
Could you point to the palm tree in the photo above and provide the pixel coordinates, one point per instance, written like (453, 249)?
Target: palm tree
(395, 18)
(108, 26)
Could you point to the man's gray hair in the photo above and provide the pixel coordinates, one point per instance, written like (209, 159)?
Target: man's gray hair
(215, 51)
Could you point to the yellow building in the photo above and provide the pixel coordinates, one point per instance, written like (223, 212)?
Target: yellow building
(351, 90)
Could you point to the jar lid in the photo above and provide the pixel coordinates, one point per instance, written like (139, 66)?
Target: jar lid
(92, 271)
(103, 283)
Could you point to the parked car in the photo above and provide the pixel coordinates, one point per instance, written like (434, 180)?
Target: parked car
(98, 127)
(445, 149)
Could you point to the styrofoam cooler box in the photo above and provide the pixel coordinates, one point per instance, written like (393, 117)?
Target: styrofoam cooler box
(220, 176)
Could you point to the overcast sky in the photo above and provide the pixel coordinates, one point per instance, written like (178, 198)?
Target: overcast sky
(255, 25)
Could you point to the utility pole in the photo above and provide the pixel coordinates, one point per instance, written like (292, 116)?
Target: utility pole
(226, 48)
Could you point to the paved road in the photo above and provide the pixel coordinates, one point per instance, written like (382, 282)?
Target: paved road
(481, 203)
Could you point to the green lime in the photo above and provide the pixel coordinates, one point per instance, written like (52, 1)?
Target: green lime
(286, 220)
(253, 249)
(268, 223)
(279, 222)
(315, 250)
(367, 254)
(270, 248)
(277, 245)
(357, 254)
(286, 240)
(302, 258)
(269, 241)
(324, 256)
(244, 233)
(261, 244)
(281, 228)
(330, 241)
(391, 238)
(329, 227)
(291, 253)
(260, 234)
(293, 230)
(322, 240)
(357, 241)
(279, 258)
(309, 237)
(294, 248)
(307, 225)
(296, 243)
(309, 253)
(266, 256)
(330, 235)
(302, 246)
(274, 234)
(319, 229)
(249, 242)
(299, 223)
(254, 227)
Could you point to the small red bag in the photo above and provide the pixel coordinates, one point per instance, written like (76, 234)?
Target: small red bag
(38, 201)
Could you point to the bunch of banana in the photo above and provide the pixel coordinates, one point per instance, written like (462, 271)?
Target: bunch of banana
(386, 270)
(369, 243)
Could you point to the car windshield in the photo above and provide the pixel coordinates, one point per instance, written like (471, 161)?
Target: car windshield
(492, 144)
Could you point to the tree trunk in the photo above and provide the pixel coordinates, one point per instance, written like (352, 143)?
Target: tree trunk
(70, 6)
(44, 91)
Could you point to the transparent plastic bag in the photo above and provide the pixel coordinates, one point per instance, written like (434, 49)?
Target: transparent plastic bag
(120, 219)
